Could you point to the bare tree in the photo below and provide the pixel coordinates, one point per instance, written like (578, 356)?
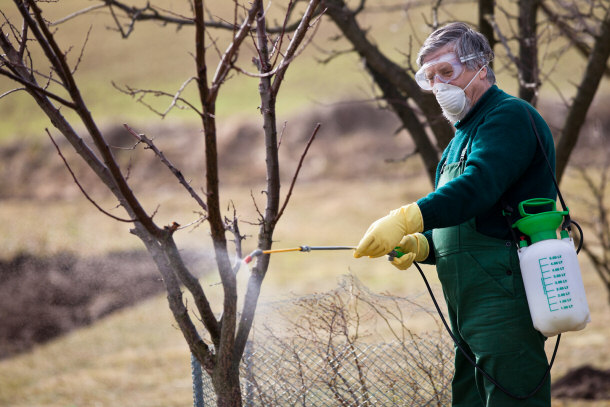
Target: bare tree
(596, 30)
(596, 175)
(599, 251)
(585, 26)
(54, 89)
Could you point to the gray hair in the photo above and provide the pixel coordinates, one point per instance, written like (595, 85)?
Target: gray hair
(471, 47)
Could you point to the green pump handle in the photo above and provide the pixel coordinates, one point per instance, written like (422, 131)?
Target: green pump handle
(534, 202)
(541, 225)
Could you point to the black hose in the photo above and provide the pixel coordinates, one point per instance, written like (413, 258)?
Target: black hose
(582, 239)
(472, 362)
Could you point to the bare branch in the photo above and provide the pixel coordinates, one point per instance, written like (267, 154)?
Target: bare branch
(56, 57)
(130, 27)
(568, 31)
(81, 187)
(8, 92)
(233, 227)
(33, 87)
(82, 51)
(228, 58)
(596, 65)
(277, 47)
(176, 97)
(76, 14)
(296, 173)
(503, 40)
(151, 13)
(297, 39)
(174, 297)
(142, 138)
(192, 284)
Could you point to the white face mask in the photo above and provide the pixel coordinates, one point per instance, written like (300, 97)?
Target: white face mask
(451, 98)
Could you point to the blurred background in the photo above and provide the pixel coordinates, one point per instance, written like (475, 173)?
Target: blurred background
(84, 319)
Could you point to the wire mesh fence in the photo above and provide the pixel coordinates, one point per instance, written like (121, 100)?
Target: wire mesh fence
(388, 374)
(320, 351)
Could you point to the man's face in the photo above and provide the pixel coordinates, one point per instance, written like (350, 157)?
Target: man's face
(443, 65)
(445, 68)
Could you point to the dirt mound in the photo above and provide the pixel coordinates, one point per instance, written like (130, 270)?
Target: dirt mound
(353, 141)
(585, 382)
(42, 298)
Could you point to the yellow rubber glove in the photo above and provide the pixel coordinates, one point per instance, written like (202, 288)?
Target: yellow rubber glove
(385, 233)
(415, 248)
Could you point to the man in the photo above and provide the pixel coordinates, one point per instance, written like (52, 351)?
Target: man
(493, 162)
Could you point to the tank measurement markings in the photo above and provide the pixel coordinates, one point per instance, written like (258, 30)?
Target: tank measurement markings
(554, 283)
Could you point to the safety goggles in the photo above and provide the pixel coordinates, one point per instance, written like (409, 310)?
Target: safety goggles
(444, 69)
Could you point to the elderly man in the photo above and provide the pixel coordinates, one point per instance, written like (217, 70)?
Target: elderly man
(493, 162)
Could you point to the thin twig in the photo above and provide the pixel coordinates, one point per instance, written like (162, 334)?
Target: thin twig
(298, 42)
(278, 45)
(143, 92)
(177, 97)
(8, 92)
(279, 143)
(33, 87)
(76, 14)
(227, 60)
(490, 19)
(82, 51)
(81, 187)
(142, 138)
(296, 174)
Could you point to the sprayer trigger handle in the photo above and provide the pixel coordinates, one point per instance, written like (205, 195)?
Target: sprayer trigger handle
(396, 253)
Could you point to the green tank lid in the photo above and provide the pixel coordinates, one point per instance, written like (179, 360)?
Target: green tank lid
(542, 225)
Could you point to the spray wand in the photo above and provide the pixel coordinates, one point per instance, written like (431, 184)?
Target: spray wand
(259, 252)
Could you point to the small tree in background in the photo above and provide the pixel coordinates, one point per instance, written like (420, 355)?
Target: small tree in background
(596, 176)
(52, 85)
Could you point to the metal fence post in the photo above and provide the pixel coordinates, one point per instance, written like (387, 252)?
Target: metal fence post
(247, 359)
(197, 382)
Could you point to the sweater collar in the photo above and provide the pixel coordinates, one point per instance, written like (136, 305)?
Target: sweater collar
(479, 106)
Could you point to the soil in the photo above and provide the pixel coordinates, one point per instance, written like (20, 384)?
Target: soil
(583, 383)
(43, 298)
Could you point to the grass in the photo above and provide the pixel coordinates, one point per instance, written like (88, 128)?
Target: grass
(136, 357)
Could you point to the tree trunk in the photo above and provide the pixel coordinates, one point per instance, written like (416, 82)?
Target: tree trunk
(227, 389)
(529, 81)
(398, 102)
(594, 72)
(486, 11)
(394, 75)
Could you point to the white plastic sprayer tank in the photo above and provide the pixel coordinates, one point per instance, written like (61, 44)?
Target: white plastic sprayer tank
(551, 274)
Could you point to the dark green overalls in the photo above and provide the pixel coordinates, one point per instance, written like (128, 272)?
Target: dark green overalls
(489, 315)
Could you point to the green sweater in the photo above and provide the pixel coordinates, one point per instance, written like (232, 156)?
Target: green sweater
(504, 163)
